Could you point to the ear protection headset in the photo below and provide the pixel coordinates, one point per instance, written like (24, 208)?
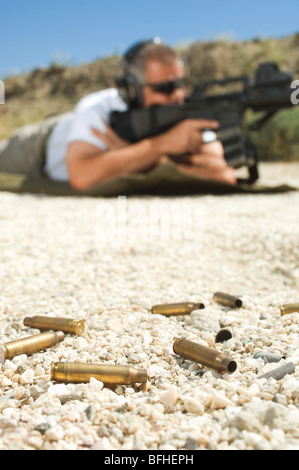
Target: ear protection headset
(128, 85)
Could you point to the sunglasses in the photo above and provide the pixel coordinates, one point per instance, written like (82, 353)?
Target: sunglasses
(167, 88)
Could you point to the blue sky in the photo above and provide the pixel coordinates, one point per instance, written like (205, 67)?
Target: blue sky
(37, 33)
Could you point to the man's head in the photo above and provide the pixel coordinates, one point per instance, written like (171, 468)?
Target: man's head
(152, 75)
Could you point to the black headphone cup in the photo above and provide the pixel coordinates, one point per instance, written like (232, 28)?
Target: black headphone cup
(127, 83)
(130, 90)
(121, 82)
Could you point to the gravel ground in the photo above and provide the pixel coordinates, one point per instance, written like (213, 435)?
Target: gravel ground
(107, 262)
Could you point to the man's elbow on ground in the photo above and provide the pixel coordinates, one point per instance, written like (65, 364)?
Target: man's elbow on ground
(80, 167)
(77, 182)
(78, 178)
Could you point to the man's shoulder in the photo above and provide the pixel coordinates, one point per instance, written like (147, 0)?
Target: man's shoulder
(108, 98)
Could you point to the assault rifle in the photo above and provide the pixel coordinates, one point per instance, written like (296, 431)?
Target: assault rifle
(268, 93)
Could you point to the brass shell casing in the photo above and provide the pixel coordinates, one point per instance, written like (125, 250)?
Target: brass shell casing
(223, 335)
(181, 308)
(289, 308)
(75, 372)
(206, 356)
(227, 300)
(30, 344)
(67, 325)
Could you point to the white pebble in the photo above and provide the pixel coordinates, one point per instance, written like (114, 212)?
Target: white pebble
(219, 401)
(27, 377)
(168, 398)
(95, 385)
(193, 405)
(20, 393)
(55, 433)
(102, 444)
(59, 390)
(5, 382)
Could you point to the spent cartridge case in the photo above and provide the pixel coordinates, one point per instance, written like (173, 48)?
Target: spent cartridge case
(223, 335)
(67, 325)
(227, 300)
(75, 372)
(289, 308)
(206, 356)
(30, 344)
(181, 308)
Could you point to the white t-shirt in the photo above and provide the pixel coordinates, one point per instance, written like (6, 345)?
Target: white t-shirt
(92, 111)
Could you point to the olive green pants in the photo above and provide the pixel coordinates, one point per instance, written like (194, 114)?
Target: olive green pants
(25, 151)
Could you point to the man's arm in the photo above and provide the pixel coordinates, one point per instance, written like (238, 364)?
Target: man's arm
(88, 165)
(209, 163)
